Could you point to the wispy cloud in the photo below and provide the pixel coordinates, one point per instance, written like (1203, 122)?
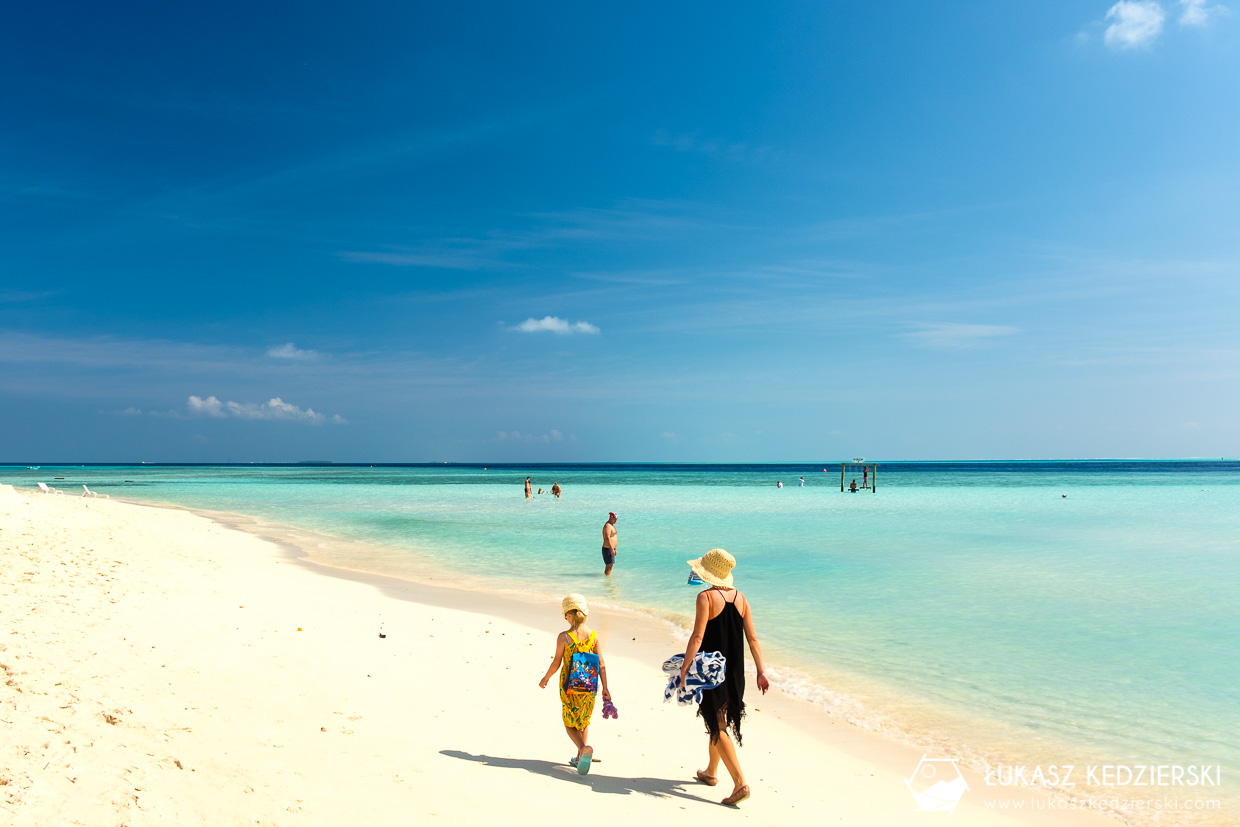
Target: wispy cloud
(712, 147)
(273, 409)
(462, 260)
(1134, 24)
(552, 436)
(17, 296)
(954, 336)
(153, 372)
(290, 351)
(382, 156)
(628, 221)
(241, 198)
(554, 324)
(1200, 12)
(646, 278)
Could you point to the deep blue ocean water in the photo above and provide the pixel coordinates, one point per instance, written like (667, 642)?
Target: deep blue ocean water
(1052, 611)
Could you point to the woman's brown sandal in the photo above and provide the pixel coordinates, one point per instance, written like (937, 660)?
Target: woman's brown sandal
(737, 797)
(708, 780)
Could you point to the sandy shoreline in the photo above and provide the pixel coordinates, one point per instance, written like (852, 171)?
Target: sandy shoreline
(160, 668)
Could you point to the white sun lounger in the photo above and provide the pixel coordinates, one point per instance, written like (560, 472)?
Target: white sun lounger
(86, 492)
(46, 489)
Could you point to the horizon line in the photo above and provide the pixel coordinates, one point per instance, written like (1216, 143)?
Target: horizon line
(36, 465)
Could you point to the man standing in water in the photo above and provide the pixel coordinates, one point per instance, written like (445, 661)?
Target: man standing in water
(609, 542)
(528, 488)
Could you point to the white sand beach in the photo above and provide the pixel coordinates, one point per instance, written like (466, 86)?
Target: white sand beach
(161, 668)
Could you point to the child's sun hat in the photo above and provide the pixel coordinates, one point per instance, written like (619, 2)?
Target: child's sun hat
(575, 601)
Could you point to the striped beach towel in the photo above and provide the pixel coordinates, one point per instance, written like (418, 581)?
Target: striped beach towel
(706, 672)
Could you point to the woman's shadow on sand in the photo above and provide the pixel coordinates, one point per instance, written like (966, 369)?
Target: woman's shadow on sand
(658, 787)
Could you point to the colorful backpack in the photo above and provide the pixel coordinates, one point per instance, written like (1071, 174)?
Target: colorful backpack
(582, 671)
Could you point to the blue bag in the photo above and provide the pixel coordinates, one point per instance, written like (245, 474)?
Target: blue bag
(582, 674)
(582, 678)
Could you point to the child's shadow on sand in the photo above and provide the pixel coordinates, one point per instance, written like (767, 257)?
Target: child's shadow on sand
(659, 787)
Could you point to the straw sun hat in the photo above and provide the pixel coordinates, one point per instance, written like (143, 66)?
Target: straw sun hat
(715, 567)
(575, 601)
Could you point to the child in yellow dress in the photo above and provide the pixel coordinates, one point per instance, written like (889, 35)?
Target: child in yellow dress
(578, 707)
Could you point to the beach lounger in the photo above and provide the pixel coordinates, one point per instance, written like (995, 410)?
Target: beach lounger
(46, 489)
(86, 492)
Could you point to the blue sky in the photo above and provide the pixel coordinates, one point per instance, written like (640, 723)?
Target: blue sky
(573, 232)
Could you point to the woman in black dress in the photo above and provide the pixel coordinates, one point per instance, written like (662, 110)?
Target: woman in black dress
(723, 618)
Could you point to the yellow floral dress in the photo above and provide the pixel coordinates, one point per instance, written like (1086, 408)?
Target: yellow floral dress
(577, 707)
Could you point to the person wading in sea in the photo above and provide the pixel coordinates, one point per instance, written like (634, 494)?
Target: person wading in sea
(609, 542)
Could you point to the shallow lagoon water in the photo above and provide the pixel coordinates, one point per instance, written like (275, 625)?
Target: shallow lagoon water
(972, 606)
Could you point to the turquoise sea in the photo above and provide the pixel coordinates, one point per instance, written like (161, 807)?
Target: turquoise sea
(1042, 612)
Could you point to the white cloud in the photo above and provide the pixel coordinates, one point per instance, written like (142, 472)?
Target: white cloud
(290, 351)
(273, 409)
(952, 336)
(1199, 12)
(554, 324)
(205, 407)
(1134, 23)
(669, 435)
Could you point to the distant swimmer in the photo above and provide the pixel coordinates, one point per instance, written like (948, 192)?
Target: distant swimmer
(609, 542)
(528, 488)
(555, 489)
(801, 484)
(779, 484)
(540, 491)
(852, 489)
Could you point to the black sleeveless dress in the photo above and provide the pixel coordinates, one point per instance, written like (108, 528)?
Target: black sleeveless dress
(725, 633)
